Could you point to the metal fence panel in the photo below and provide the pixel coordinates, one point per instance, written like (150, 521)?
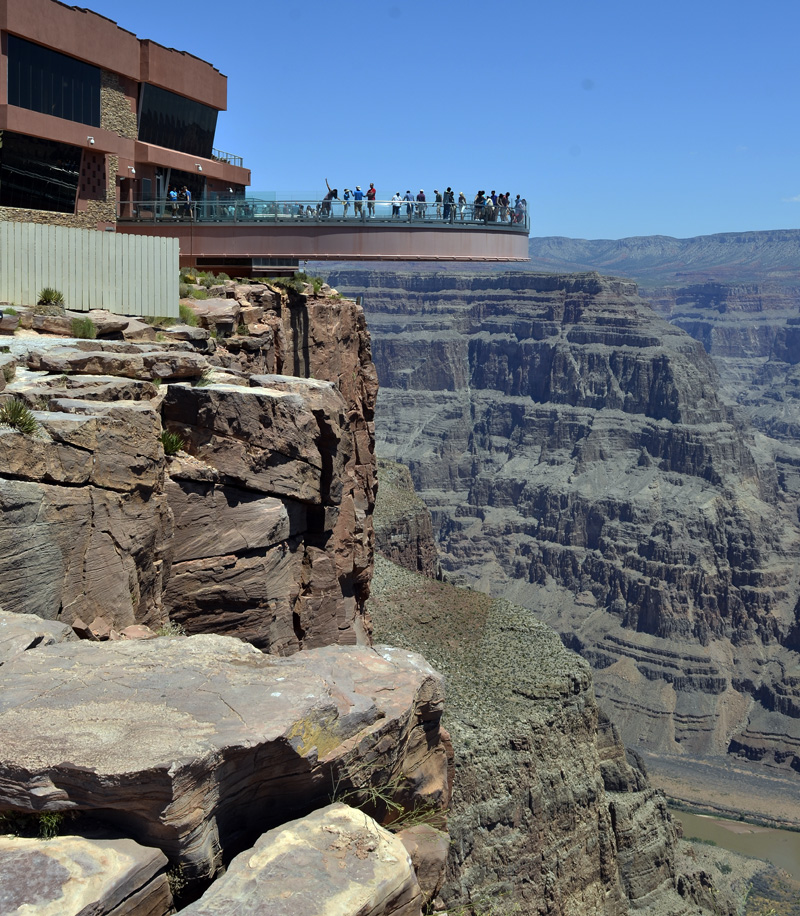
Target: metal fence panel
(127, 274)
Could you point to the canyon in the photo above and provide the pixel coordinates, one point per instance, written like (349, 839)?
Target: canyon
(581, 457)
(194, 708)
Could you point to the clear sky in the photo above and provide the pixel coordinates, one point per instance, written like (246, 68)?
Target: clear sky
(613, 118)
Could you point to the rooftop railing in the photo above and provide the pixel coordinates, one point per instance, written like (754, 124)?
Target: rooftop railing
(222, 156)
(381, 212)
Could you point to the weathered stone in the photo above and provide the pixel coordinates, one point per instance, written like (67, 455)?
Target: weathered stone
(259, 438)
(428, 849)
(71, 874)
(185, 332)
(100, 629)
(197, 744)
(8, 323)
(69, 551)
(403, 526)
(336, 860)
(21, 632)
(137, 631)
(168, 365)
(138, 330)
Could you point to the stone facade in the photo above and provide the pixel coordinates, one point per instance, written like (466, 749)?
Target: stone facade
(116, 110)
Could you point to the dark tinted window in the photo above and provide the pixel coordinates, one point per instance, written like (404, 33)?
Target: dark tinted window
(38, 174)
(170, 120)
(43, 80)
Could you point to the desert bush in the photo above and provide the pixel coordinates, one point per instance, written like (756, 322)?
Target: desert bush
(187, 315)
(171, 628)
(50, 296)
(199, 294)
(84, 328)
(18, 416)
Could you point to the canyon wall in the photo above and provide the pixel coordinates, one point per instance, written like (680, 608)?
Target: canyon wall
(567, 438)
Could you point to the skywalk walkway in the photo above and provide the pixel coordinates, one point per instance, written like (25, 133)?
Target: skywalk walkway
(274, 233)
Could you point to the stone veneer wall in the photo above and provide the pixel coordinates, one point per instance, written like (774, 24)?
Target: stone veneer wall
(116, 115)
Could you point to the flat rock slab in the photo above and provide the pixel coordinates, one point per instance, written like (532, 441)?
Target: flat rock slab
(194, 744)
(335, 861)
(21, 632)
(73, 876)
(144, 363)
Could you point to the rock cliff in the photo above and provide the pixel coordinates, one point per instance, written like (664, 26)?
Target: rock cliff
(565, 437)
(264, 531)
(549, 814)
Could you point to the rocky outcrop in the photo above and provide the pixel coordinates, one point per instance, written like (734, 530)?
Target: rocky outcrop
(335, 861)
(260, 528)
(548, 813)
(73, 874)
(198, 745)
(403, 527)
(563, 435)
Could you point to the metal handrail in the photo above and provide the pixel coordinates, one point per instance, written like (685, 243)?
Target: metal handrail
(222, 156)
(386, 212)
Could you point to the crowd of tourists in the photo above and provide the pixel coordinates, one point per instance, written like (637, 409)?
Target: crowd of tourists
(487, 208)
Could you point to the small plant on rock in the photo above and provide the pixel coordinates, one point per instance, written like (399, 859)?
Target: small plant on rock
(84, 328)
(50, 296)
(171, 628)
(18, 416)
(172, 442)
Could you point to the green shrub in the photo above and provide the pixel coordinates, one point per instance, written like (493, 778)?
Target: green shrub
(9, 371)
(317, 284)
(84, 328)
(171, 628)
(172, 442)
(50, 296)
(222, 277)
(18, 416)
(204, 380)
(9, 310)
(199, 294)
(187, 315)
(44, 824)
(242, 330)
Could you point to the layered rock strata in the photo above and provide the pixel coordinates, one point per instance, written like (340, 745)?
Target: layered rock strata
(261, 527)
(563, 435)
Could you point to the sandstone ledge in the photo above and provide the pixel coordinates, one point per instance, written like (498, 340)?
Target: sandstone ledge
(197, 744)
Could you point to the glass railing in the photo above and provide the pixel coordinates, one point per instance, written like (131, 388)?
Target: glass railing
(386, 212)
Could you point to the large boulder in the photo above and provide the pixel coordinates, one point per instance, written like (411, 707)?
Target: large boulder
(73, 875)
(199, 744)
(336, 860)
(21, 632)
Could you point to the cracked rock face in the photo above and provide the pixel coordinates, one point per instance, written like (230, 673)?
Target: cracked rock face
(197, 744)
(336, 860)
(262, 526)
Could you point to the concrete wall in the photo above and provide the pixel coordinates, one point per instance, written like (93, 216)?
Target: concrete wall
(127, 274)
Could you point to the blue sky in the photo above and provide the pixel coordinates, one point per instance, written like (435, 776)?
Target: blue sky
(613, 118)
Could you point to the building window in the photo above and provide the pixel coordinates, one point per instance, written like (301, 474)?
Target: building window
(43, 80)
(38, 174)
(172, 121)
